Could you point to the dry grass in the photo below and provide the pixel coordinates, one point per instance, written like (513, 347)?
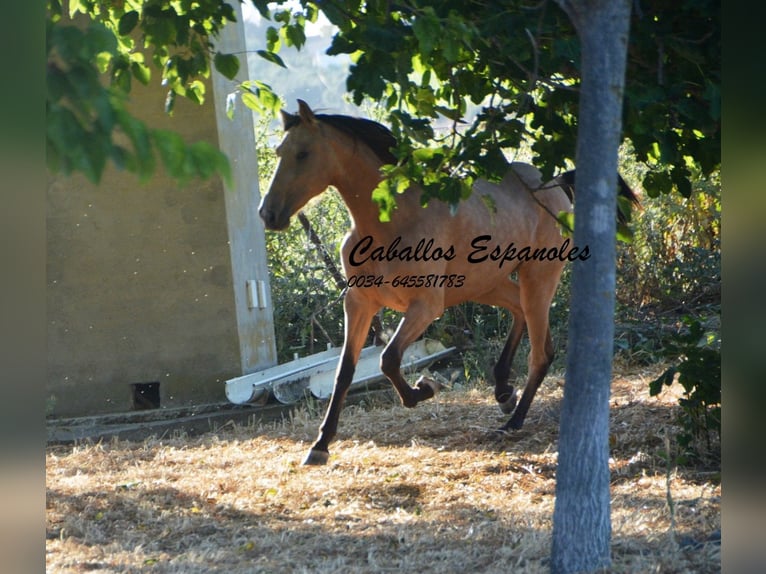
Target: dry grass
(423, 490)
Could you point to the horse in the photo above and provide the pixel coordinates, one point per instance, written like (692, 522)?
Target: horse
(425, 260)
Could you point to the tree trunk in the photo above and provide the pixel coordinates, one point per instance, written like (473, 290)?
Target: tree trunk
(581, 519)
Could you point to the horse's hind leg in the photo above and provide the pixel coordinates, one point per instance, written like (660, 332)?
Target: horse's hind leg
(538, 285)
(538, 368)
(418, 317)
(504, 393)
(358, 316)
(506, 295)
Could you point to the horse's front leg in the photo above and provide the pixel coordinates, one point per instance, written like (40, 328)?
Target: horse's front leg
(537, 288)
(358, 315)
(418, 317)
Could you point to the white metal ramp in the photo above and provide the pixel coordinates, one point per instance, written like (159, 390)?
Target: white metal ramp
(316, 373)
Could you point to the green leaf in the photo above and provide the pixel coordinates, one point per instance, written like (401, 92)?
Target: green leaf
(263, 8)
(680, 177)
(656, 183)
(102, 61)
(451, 51)
(127, 23)
(271, 57)
(566, 223)
(252, 101)
(196, 92)
(142, 73)
(98, 38)
(226, 64)
(64, 136)
(161, 30)
(140, 137)
(273, 41)
(341, 45)
(624, 233)
(427, 30)
(449, 113)
(383, 195)
(172, 150)
(666, 378)
(77, 6)
(261, 98)
(207, 160)
(625, 206)
(426, 153)
(283, 16)
(295, 36)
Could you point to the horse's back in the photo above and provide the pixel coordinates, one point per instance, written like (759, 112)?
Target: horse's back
(522, 191)
(524, 173)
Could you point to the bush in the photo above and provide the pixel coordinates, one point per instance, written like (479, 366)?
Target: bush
(696, 356)
(669, 297)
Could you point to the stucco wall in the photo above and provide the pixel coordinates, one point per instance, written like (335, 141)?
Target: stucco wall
(139, 283)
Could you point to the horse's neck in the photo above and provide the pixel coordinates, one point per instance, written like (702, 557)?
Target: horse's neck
(355, 185)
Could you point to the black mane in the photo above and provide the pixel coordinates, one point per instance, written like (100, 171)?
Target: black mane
(377, 137)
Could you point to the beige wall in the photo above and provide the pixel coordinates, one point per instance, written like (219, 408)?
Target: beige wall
(139, 281)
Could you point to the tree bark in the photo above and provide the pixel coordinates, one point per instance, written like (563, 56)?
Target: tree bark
(581, 518)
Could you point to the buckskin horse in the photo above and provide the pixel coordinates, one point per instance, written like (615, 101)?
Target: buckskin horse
(425, 260)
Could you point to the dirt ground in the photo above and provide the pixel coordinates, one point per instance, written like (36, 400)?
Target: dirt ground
(421, 490)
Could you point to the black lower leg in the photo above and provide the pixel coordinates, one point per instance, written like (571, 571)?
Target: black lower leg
(504, 394)
(533, 383)
(502, 373)
(390, 363)
(329, 427)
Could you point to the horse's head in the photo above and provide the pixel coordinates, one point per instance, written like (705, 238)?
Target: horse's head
(306, 167)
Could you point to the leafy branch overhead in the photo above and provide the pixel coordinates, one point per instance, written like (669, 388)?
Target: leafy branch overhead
(428, 63)
(97, 50)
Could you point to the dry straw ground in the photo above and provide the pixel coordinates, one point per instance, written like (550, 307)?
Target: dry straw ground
(423, 490)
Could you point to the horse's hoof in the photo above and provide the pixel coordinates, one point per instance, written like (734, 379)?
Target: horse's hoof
(506, 430)
(514, 424)
(508, 404)
(316, 458)
(424, 381)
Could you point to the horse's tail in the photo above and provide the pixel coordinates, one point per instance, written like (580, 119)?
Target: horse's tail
(567, 182)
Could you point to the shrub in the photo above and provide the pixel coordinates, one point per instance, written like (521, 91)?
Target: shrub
(696, 356)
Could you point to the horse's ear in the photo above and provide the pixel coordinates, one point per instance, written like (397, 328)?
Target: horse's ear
(305, 113)
(289, 120)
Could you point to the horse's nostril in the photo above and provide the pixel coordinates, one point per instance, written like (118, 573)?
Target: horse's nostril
(267, 215)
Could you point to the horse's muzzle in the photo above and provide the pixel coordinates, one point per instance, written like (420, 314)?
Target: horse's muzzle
(271, 220)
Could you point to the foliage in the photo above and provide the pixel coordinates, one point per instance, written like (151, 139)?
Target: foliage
(674, 261)
(426, 62)
(696, 354)
(429, 62)
(95, 52)
(673, 101)
(672, 267)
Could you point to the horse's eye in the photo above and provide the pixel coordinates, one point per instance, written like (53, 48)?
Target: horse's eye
(303, 154)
